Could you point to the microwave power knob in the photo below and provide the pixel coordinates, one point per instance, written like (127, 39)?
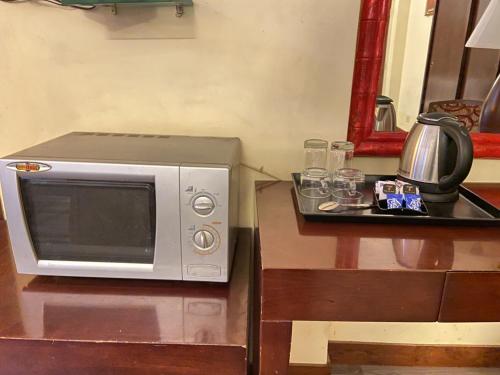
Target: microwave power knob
(203, 205)
(203, 239)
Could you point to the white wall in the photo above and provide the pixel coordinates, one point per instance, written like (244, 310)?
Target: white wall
(395, 49)
(417, 333)
(271, 74)
(415, 61)
(406, 58)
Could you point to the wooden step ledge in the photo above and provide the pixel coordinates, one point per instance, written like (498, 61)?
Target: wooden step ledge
(358, 353)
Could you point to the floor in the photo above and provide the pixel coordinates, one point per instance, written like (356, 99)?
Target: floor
(398, 370)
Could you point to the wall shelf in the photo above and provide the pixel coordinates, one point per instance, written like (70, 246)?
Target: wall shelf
(179, 4)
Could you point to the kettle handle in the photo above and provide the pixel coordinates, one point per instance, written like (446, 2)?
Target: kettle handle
(465, 156)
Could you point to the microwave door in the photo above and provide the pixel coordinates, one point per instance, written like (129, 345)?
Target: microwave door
(90, 221)
(98, 220)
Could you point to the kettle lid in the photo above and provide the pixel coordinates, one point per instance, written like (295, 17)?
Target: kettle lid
(381, 99)
(434, 118)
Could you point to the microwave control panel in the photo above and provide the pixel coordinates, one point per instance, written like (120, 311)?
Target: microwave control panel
(204, 198)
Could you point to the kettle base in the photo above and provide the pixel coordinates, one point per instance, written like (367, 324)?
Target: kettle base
(440, 197)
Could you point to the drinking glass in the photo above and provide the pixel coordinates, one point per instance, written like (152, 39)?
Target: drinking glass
(345, 186)
(314, 179)
(341, 155)
(315, 157)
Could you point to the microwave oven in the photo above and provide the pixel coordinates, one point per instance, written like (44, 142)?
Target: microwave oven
(124, 206)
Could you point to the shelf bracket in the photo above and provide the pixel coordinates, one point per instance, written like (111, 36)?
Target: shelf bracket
(179, 10)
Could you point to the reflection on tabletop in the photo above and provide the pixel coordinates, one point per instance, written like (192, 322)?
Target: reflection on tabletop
(367, 246)
(50, 310)
(121, 310)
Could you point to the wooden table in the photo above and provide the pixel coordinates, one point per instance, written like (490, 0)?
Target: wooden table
(365, 272)
(58, 325)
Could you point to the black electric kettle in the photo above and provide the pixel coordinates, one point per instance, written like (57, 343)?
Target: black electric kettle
(437, 156)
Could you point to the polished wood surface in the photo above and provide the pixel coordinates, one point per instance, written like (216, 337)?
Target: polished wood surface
(474, 296)
(289, 242)
(360, 272)
(351, 295)
(88, 325)
(471, 297)
(274, 347)
(309, 370)
(488, 191)
(362, 353)
(400, 370)
(23, 357)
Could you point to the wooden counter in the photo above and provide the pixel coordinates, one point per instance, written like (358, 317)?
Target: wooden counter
(366, 272)
(61, 325)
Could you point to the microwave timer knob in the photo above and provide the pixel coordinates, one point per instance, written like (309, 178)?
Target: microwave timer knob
(203, 205)
(203, 239)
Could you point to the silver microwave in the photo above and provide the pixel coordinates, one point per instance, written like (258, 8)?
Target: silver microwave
(124, 206)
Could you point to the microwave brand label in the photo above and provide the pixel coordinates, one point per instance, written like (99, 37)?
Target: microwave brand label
(26, 166)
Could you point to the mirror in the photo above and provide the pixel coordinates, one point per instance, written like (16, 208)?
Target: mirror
(411, 58)
(414, 75)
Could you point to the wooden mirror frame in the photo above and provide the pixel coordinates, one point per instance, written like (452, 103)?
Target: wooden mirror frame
(373, 19)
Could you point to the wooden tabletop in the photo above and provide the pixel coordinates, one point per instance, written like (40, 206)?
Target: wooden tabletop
(290, 242)
(77, 325)
(371, 272)
(488, 191)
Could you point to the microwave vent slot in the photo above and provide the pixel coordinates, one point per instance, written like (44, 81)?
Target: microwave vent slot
(130, 135)
(85, 134)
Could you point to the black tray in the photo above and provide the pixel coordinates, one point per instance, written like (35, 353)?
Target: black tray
(469, 209)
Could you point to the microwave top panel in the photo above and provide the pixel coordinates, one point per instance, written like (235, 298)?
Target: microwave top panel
(135, 149)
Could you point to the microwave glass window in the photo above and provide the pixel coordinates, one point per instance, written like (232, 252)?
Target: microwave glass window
(92, 221)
